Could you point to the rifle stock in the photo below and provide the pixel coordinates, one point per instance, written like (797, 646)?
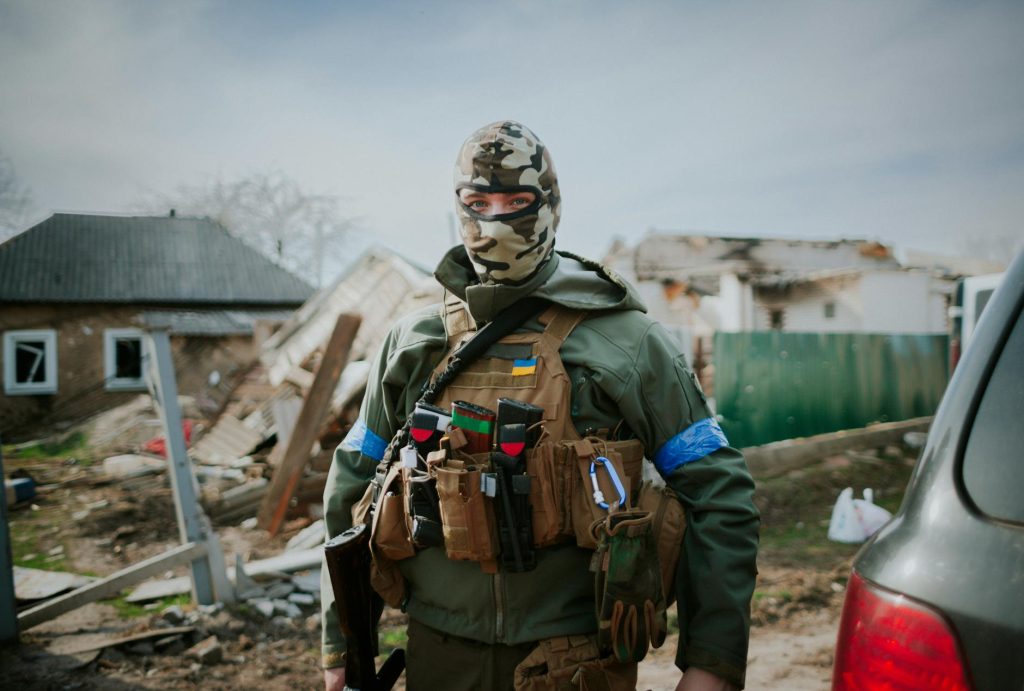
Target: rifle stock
(359, 608)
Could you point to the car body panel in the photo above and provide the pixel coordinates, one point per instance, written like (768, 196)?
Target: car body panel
(940, 549)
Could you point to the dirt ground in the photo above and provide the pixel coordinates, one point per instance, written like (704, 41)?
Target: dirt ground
(78, 525)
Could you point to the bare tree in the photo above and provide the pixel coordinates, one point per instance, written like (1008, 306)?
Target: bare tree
(15, 200)
(305, 233)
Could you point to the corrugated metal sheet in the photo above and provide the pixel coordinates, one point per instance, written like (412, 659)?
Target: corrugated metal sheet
(88, 258)
(773, 385)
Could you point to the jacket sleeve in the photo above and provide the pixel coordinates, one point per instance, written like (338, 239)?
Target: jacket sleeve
(402, 364)
(664, 405)
(352, 468)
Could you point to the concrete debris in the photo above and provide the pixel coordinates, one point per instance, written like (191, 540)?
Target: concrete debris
(207, 651)
(307, 582)
(173, 614)
(305, 599)
(280, 590)
(133, 465)
(263, 606)
(287, 609)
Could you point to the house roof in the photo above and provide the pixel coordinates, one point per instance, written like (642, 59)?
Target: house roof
(140, 259)
(670, 256)
(212, 322)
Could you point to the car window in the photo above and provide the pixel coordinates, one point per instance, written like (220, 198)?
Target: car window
(993, 468)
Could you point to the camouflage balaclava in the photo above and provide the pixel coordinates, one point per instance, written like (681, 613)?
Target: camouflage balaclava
(507, 157)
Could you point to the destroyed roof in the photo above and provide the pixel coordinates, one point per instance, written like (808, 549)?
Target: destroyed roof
(696, 258)
(140, 259)
(380, 286)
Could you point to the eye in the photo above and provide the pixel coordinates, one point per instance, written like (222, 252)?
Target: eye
(521, 201)
(477, 204)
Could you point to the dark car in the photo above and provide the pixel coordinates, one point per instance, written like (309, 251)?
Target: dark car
(936, 598)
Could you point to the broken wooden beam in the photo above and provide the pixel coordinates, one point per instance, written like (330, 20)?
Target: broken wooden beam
(111, 585)
(296, 456)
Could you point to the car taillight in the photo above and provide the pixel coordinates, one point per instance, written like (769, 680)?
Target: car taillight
(888, 642)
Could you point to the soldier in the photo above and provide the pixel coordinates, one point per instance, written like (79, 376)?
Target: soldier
(612, 386)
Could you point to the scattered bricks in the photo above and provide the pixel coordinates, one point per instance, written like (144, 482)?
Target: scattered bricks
(207, 652)
(312, 623)
(244, 642)
(302, 599)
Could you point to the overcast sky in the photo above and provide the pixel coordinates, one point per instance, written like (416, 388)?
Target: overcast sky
(899, 121)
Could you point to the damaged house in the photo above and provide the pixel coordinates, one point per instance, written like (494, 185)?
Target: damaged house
(799, 337)
(77, 292)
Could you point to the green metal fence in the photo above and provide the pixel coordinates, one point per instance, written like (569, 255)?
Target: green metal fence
(775, 385)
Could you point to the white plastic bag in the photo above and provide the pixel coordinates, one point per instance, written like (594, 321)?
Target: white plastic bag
(855, 520)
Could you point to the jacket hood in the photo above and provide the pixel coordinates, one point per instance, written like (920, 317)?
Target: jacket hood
(566, 279)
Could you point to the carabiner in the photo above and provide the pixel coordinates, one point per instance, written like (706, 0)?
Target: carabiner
(610, 469)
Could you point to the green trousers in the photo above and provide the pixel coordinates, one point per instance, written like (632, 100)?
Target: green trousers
(439, 661)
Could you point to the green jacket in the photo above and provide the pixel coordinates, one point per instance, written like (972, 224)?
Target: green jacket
(624, 369)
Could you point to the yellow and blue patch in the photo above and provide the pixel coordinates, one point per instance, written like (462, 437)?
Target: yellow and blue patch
(521, 368)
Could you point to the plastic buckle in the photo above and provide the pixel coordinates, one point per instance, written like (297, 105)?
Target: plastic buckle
(610, 469)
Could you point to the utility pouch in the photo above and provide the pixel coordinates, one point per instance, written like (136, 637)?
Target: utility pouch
(569, 663)
(669, 527)
(630, 605)
(422, 510)
(467, 515)
(390, 533)
(601, 484)
(385, 577)
(547, 492)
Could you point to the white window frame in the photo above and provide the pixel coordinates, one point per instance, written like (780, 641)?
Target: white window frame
(49, 383)
(110, 378)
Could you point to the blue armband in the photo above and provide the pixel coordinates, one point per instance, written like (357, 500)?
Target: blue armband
(692, 444)
(362, 439)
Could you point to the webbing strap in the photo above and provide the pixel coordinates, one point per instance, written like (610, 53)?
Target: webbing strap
(457, 320)
(560, 323)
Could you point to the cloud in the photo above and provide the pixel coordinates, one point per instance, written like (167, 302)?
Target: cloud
(896, 120)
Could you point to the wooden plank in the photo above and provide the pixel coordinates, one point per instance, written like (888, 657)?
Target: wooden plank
(286, 477)
(287, 562)
(94, 642)
(111, 585)
(780, 457)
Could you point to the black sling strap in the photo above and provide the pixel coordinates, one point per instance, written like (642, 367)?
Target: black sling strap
(505, 323)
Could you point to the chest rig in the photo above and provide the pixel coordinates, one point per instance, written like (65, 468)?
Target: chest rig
(492, 508)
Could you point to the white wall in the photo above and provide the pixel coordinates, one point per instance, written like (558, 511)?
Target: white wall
(903, 302)
(803, 306)
(871, 302)
(736, 304)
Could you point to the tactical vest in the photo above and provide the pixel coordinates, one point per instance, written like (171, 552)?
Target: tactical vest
(574, 481)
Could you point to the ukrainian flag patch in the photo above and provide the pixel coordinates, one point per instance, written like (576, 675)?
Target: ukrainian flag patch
(521, 368)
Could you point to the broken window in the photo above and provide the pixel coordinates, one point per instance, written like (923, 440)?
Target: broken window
(124, 358)
(30, 362)
(830, 310)
(776, 319)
